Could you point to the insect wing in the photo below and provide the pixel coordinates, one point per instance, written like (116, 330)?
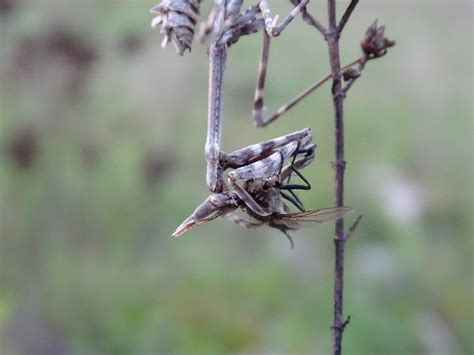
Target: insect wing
(299, 219)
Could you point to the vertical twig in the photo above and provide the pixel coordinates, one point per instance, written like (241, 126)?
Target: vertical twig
(374, 45)
(339, 166)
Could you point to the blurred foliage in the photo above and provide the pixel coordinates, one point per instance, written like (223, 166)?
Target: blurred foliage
(101, 157)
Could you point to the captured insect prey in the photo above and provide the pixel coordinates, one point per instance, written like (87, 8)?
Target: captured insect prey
(261, 187)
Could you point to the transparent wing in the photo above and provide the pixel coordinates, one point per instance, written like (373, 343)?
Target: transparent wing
(299, 219)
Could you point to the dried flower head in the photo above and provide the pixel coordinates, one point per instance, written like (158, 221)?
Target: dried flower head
(375, 43)
(351, 73)
(177, 19)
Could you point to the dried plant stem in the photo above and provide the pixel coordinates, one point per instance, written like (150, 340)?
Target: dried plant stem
(339, 166)
(347, 15)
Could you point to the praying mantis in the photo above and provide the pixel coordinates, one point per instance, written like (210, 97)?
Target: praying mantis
(260, 181)
(265, 183)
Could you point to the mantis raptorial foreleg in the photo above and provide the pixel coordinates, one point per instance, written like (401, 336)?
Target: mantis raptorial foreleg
(271, 22)
(258, 151)
(264, 169)
(225, 13)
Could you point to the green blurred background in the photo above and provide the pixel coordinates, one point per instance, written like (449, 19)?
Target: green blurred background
(101, 157)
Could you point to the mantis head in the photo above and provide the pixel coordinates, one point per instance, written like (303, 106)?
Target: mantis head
(214, 206)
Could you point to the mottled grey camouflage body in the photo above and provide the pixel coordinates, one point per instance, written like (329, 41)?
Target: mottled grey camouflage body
(261, 199)
(260, 193)
(178, 20)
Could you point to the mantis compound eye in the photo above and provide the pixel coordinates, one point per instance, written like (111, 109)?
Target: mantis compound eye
(220, 200)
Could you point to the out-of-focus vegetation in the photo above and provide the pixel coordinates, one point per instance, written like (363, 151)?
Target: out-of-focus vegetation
(101, 157)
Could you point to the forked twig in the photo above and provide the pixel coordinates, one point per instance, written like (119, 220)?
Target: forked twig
(352, 229)
(310, 19)
(347, 15)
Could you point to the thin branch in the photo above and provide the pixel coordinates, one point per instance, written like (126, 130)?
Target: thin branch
(347, 15)
(339, 167)
(353, 227)
(310, 19)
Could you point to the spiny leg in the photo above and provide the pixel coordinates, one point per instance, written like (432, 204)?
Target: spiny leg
(247, 199)
(271, 29)
(293, 199)
(294, 167)
(308, 153)
(299, 163)
(307, 185)
(258, 105)
(290, 187)
(261, 163)
(261, 169)
(270, 23)
(260, 109)
(292, 164)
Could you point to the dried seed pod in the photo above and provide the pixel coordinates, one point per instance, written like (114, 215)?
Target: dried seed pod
(375, 43)
(351, 73)
(177, 19)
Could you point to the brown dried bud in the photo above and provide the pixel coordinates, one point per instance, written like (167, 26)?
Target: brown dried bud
(375, 43)
(351, 73)
(177, 19)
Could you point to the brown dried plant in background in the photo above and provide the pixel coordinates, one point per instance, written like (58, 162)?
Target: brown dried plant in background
(23, 147)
